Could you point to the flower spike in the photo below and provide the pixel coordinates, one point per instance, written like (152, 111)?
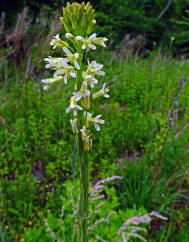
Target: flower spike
(73, 66)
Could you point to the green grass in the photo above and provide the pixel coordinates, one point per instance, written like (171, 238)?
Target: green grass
(138, 142)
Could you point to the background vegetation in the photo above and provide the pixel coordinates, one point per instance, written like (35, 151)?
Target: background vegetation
(145, 139)
(149, 23)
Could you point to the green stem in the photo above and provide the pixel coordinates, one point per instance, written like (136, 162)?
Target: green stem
(84, 192)
(84, 174)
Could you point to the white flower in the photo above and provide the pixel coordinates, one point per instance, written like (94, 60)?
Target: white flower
(72, 57)
(57, 42)
(54, 42)
(61, 67)
(96, 121)
(50, 81)
(74, 125)
(95, 68)
(100, 41)
(105, 91)
(73, 106)
(84, 92)
(102, 92)
(54, 62)
(66, 71)
(89, 43)
(91, 81)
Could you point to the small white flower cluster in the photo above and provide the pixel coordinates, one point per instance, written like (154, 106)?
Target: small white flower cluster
(91, 42)
(86, 76)
(62, 66)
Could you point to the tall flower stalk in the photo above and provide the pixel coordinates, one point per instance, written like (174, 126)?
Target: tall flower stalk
(75, 66)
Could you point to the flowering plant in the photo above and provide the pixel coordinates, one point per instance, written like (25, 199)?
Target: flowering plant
(74, 65)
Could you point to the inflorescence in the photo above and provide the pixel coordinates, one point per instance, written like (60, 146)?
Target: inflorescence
(75, 66)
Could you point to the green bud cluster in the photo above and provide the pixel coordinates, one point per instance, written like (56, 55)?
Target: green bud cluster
(78, 19)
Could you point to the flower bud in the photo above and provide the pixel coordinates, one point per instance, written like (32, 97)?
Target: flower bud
(86, 102)
(69, 35)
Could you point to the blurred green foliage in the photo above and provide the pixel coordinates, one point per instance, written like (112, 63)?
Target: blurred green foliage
(145, 140)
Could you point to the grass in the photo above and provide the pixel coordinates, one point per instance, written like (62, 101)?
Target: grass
(145, 140)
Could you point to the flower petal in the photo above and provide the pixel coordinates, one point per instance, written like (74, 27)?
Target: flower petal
(80, 38)
(76, 55)
(59, 72)
(78, 95)
(66, 51)
(92, 47)
(47, 66)
(106, 95)
(57, 36)
(95, 81)
(76, 65)
(45, 88)
(84, 47)
(64, 62)
(68, 109)
(65, 79)
(47, 81)
(78, 107)
(92, 36)
(73, 74)
(68, 35)
(101, 73)
(87, 93)
(97, 127)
